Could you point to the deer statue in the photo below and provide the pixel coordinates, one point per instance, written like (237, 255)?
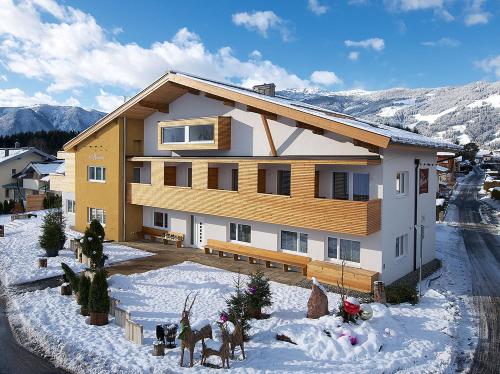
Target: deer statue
(237, 338)
(190, 335)
(218, 346)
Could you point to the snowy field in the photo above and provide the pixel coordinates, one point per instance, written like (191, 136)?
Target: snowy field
(19, 252)
(402, 338)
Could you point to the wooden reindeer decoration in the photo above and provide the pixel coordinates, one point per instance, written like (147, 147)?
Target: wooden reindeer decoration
(237, 338)
(190, 336)
(218, 347)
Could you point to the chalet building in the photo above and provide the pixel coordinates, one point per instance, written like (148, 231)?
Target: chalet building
(228, 166)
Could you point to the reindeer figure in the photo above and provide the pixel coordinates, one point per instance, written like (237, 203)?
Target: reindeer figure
(190, 336)
(237, 338)
(218, 347)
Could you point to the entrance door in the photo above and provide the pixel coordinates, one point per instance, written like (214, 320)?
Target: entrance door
(199, 232)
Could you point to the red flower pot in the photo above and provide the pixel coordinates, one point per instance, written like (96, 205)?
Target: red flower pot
(351, 306)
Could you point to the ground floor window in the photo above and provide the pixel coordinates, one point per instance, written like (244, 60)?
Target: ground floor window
(344, 249)
(98, 214)
(160, 219)
(70, 206)
(240, 232)
(401, 245)
(294, 241)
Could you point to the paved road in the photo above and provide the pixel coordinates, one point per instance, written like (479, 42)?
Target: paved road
(483, 247)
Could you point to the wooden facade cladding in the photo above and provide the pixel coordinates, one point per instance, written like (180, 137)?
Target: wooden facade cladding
(66, 182)
(301, 209)
(222, 134)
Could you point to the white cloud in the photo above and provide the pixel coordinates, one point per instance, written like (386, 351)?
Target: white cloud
(409, 5)
(116, 30)
(108, 102)
(443, 42)
(353, 56)
(71, 51)
(17, 97)
(262, 22)
(357, 2)
(375, 43)
(3, 78)
(255, 55)
(315, 7)
(474, 14)
(490, 65)
(325, 78)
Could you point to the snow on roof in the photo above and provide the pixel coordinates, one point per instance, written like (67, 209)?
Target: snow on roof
(13, 154)
(441, 168)
(395, 134)
(446, 154)
(46, 168)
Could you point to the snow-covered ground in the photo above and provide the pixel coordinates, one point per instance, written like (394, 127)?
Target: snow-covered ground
(19, 252)
(411, 339)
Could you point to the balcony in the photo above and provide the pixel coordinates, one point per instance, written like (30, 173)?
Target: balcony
(300, 208)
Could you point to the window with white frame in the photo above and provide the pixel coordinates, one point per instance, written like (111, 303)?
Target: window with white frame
(136, 177)
(293, 241)
(160, 219)
(96, 173)
(401, 245)
(401, 182)
(70, 206)
(240, 233)
(332, 248)
(188, 134)
(98, 214)
(350, 250)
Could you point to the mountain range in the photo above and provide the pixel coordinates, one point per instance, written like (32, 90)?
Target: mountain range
(458, 113)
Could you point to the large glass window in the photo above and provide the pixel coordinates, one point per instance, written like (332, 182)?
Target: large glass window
(283, 180)
(96, 173)
(239, 232)
(340, 186)
(160, 219)
(360, 188)
(294, 241)
(201, 133)
(173, 134)
(350, 250)
(332, 247)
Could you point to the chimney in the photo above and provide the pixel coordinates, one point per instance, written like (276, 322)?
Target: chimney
(268, 89)
(17, 145)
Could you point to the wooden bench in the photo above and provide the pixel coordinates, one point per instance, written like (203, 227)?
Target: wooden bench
(354, 278)
(163, 235)
(253, 253)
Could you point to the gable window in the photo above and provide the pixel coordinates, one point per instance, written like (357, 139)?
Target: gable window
(137, 175)
(360, 187)
(96, 173)
(188, 134)
(401, 245)
(350, 250)
(160, 219)
(293, 241)
(70, 206)
(98, 214)
(283, 180)
(401, 182)
(240, 232)
(340, 186)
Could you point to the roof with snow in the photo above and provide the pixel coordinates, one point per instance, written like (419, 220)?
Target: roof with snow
(175, 84)
(41, 168)
(15, 153)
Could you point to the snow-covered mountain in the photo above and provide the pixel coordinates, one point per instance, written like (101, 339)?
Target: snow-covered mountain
(46, 117)
(462, 113)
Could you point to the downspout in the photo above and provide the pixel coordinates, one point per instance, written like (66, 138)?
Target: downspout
(124, 184)
(415, 215)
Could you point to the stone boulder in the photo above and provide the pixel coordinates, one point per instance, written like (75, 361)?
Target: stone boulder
(317, 306)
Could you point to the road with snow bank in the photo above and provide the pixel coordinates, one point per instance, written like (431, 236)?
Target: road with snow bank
(482, 242)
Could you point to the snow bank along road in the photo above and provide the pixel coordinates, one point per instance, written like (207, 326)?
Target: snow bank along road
(483, 247)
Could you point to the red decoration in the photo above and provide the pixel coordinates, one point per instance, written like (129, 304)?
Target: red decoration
(351, 306)
(423, 183)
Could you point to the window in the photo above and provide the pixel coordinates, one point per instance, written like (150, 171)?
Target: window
(340, 186)
(360, 188)
(190, 177)
(240, 233)
(96, 173)
(401, 245)
(188, 134)
(332, 247)
(137, 175)
(7, 193)
(160, 219)
(98, 214)
(70, 206)
(283, 180)
(294, 241)
(401, 182)
(350, 250)
(234, 179)
(13, 171)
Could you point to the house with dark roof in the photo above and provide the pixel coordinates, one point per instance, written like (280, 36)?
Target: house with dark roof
(243, 171)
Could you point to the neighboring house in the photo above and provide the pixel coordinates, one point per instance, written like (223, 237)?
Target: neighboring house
(219, 162)
(62, 180)
(32, 179)
(12, 161)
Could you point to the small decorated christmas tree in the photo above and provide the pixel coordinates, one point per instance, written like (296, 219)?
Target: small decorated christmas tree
(96, 227)
(257, 294)
(53, 235)
(83, 294)
(92, 248)
(99, 299)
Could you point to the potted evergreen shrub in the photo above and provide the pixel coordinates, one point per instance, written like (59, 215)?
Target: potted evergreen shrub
(257, 294)
(92, 248)
(71, 277)
(83, 294)
(53, 236)
(99, 299)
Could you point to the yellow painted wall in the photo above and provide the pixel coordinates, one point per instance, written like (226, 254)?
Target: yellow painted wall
(105, 148)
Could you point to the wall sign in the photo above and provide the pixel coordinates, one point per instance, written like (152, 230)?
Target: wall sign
(423, 181)
(95, 156)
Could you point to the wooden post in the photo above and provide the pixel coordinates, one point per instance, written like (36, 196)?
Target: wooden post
(268, 264)
(66, 289)
(2, 231)
(236, 257)
(158, 349)
(285, 267)
(42, 262)
(221, 254)
(379, 292)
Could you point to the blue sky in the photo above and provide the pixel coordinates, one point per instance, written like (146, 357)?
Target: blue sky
(92, 53)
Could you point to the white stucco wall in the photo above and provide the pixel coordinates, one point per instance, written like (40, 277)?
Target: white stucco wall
(70, 217)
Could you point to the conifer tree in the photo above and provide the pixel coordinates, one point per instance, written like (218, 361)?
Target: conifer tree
(258, 294)
(98, 296)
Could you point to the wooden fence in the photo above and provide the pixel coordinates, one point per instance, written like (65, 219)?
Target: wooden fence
(34, 202)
